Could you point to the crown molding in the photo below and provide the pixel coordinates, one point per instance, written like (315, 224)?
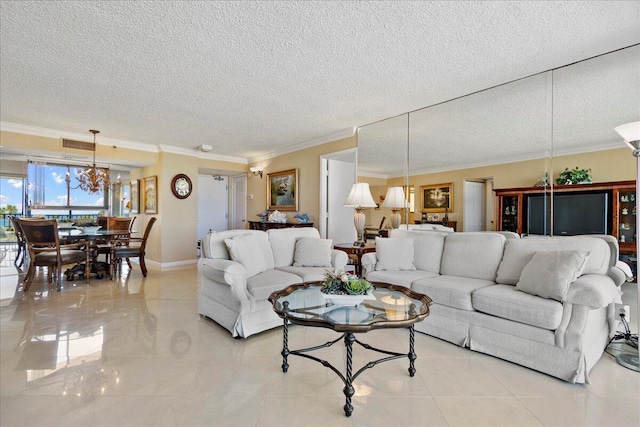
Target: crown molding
(56, 133)
(335, 136)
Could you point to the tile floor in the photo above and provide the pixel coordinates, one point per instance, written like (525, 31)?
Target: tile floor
(134, 352)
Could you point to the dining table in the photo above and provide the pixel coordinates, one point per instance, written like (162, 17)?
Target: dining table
(93, 237)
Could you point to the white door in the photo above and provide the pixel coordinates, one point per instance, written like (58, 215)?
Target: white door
(473, 206)
(239, 202)
(213, 204)
(338, 173)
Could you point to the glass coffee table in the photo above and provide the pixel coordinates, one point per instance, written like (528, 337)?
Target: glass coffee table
(388, 306)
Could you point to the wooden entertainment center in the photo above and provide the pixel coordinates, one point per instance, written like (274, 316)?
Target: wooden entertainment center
(513, 203)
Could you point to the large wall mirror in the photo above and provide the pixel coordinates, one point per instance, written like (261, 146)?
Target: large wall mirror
(518, 134)
(515, 135)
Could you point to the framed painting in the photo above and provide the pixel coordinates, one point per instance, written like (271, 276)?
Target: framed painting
(150, 195)
(282, 190)
(437, 198)
(134, 202)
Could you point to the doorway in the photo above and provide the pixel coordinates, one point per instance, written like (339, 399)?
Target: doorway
(213, 204)
(337, 174)
(239, 202)
(473, 213)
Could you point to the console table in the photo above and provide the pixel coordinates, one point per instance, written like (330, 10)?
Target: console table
(264, 226)
(452, 224)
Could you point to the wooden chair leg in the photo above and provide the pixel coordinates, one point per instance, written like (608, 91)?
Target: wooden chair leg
(143, 266)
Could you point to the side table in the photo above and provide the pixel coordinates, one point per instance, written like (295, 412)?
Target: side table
(358, 251)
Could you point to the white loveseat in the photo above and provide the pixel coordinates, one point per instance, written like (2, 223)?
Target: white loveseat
(544, 303)
(239, 269)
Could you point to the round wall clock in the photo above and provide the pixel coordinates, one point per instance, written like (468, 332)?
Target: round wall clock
(181, 186)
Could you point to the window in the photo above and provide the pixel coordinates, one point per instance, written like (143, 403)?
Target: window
(55, 187)
(11, 195)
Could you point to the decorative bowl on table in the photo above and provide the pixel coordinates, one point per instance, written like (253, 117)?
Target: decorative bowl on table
(347, 299)
(90, 229)
(345, 289)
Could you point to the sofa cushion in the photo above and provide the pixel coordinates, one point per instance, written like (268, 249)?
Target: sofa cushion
(452, 291)
(549, 274)
(312, 252)
(518, 253)
(306, 274)
(252, 251)
(401, 278)
(506, 302)
(427, 248)
(213, 245)
(473, 254)
(283, 243)
(264, 284)
(394, 253)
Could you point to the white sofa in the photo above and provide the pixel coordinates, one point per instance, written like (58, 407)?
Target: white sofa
(544, 303)
(239, 269)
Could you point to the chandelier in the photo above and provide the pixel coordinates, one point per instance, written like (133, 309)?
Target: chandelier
(91, 178)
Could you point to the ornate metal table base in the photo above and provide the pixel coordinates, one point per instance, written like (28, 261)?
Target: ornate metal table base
(349, 339)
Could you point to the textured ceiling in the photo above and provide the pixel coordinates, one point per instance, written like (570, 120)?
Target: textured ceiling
(565, 111)
(257, 78)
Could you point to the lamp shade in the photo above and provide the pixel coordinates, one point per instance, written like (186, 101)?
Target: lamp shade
(395, 198)
(360, 196)
(630, 131)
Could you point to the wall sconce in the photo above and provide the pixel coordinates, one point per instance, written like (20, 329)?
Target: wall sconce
(256, 170)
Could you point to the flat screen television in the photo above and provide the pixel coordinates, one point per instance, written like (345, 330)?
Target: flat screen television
(573, 214)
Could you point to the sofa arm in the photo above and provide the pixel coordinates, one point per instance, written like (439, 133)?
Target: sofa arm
(226, 272)
(339, 259)
(620, 273)
(368, 263)
(593, 291)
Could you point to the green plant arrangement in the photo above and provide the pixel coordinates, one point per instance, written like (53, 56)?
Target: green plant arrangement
(337, 282)
(574, 176)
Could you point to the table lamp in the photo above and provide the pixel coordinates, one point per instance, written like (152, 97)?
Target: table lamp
(396, 201)
(359, 198)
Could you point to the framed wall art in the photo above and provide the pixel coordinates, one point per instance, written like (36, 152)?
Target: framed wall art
(150, 192)
(282, 190)
(437, 198)
(134, 202)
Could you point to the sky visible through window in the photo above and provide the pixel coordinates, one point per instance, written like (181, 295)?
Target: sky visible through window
(48, 194)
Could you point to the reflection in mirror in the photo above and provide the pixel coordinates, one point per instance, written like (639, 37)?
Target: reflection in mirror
(455, 142)
(382, 162)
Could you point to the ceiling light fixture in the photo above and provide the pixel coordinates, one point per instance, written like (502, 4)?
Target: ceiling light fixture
(91, 178)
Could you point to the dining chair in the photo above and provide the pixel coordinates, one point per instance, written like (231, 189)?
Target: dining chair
(44, 248)
(131, 247)
(112, 223)
(372, 233)
(22, 246)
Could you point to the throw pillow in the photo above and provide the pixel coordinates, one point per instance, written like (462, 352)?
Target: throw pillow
(394, 254)
(245, 249)
(549, 274)
(312, 252)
